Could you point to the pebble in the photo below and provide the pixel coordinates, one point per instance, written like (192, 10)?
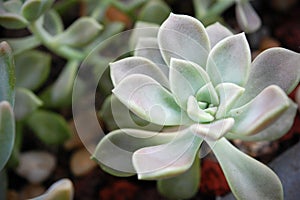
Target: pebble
(81, 163)
(36, 166)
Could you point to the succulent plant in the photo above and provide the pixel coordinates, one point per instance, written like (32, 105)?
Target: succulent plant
(209, 11)
(202, 83)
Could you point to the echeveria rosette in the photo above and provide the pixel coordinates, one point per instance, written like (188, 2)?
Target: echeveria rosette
(211, 91)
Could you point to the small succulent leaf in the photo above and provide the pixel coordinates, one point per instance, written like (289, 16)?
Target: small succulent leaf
(74, 35)
(128, 6)
(32, 69)
(59, 94)
(7, 74)
(20, 45)
(259, 113)
(217, 32)
(149, 100)
(186, 78)
(60, 190)
(7, 132)
(201, 7)
(247, 178)
(214, 130)
(115, 150)
(136, 65)
(148, 48)
(12, 21)
(26, 103)
(141, 30)
(183, 37)
(228, 93)
(110, 30)
(247, 17)
(229, 61)
(183, 186)
(49, 127)
(196, 113)
(167, 160)
(12, 6)
(117, 115)
(274, 66)
(154, 12)
(33, 9)
(53, 23)
(208, 94)
(276, 130)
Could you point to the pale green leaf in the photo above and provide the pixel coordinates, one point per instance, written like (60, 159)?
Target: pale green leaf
(247, 178)
(33, 9)
(7, 74)
(49, 127)
(80, 33)
(149, 100)
(7, 132)
(60, 190)
(26, 103)
(186, 78)
(183, 37)
(274, 66)
(115, 150)
(259, 113)
(32, 69)
(136, 65)
(183, 186)
(229, 61)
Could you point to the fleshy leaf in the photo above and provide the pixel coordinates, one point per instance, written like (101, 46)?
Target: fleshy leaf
(217, 32)
(33, 9)
(75, 36)
(12, 6)
(32, 69)
(117, 115)
(12, 21)
(49, 127)
(259, 113)
(186, 78)
(167, 160)
(60, 190)
(183, 186)
(53, 22)
(247, 17)
(208, 94)
(59, 94)
(228, 94)
(22, 44)
(275, 66)
(148, 48)
(154, 12)
(7, 74)
(115, 150)
(276, 130)
(229, 61)
(247, 178)
(149, 100)
(7, 132)
(214, 130)
(26, 103)
(196, 113)
(141, 30)
(136, 65)
(183, 37)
